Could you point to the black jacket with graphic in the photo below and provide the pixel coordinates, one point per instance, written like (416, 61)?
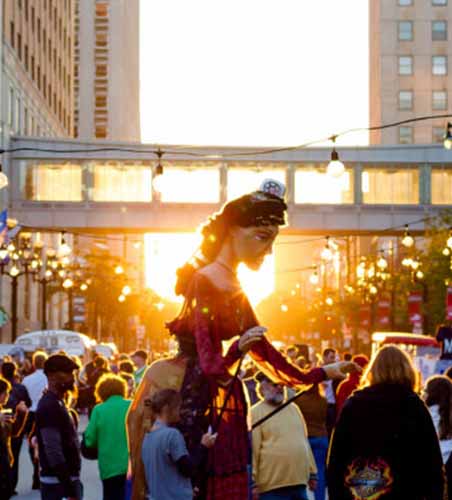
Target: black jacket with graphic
(385, 448)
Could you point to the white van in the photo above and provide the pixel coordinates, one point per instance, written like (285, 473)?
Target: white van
(73, 343)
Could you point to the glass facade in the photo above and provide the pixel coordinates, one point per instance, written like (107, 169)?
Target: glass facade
(442, 185)
(53, 182)
(190, 182)
(390, 186)
(200, 181)
(314, 186)
(120, 181)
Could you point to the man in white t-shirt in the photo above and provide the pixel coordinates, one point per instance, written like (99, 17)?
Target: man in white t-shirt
(329, 356)
(36, 383)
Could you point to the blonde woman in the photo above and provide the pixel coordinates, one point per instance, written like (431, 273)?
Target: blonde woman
(385, 446)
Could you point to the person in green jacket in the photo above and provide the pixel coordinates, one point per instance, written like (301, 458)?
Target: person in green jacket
(106, 431)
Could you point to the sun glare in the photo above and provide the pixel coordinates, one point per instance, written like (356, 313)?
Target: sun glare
(165, 252)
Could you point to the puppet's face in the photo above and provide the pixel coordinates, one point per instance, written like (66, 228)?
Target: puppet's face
(252, 244)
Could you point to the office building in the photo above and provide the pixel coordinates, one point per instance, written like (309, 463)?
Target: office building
(410, 56)
(106, 70)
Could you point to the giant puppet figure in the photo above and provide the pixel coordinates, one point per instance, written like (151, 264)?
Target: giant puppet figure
(215, 309)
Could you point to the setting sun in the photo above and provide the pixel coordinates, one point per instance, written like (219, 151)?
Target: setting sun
(165, 252)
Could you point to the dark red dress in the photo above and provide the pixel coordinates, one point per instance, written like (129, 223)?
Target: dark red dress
(217, 310)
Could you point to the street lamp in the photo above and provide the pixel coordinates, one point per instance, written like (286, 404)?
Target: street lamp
(18, 259)
(407, 240)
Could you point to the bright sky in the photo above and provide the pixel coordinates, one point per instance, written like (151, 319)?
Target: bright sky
(253, 72)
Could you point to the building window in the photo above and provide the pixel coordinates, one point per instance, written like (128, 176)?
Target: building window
(32, 67)
(19, 45)
(438, 135)
(12, 34)
(314, 186)
(247, 177)
(404, 3)
(442, 185)
(390, 186)
(439, 99)
(26, 57)
(39, 78)
(39, 29)
(33, 19)
(439, 3)
(117, 181)
(405, 65)
(439, 31)
(192, 176)
(405, 100)
(53, 182)
(26, 131)
(405, 135)
(18, 116)
(11, 108)
(439, 65)
(405, 30)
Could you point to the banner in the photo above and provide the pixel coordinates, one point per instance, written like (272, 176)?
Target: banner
(449, 304)
(414, 311)
(384, 312)
(3, 226)
(364, 317)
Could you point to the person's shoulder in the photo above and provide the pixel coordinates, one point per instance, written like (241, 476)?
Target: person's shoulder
(49, 403)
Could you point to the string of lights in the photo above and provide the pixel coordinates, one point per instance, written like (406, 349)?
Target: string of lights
(187, 150)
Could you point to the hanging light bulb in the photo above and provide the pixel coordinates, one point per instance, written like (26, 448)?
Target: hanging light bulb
(382, 263)
(407, 240)
(335, 167)
(121, 298)
(158, 180)
(284, 308)
(127, 290)
(327, 254)
(83, 287)
(449, 240)
(314, 278)
(415, 264)
(373, 290)
(361, 270)
(448, 136)
(119, 269)
(329, 301)
(419, 275)
(406, 262)
(48, 274)
(64, 249)
(446, 252)
(11, 247)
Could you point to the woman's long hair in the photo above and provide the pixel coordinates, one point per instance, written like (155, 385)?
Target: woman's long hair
(439, 392)
(259, 208)
(391, 365)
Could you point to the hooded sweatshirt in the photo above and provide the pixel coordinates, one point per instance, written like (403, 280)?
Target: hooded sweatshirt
(385, 447)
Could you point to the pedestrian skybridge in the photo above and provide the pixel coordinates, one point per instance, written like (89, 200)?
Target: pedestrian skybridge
(109, 186)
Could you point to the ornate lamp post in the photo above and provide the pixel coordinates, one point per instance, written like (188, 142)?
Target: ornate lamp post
(16, 260)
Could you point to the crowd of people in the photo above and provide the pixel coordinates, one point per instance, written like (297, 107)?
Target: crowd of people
(181, 427)
(382, 429)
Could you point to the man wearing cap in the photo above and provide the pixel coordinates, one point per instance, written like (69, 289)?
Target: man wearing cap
(283, 464)
(59, 454)
(140, 358)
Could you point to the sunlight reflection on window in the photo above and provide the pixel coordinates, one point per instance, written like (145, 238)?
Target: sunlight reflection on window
(190, 184)
(52, 182)
(118, 181)
(165, 252)
(247, 177)
(314, 185)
